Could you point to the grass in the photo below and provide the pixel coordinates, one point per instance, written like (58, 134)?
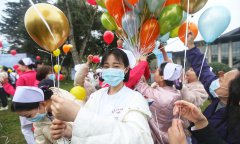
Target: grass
(10, 124)
(10, 131)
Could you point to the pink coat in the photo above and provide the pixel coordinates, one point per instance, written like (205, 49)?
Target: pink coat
(161, 108)
(26, 79)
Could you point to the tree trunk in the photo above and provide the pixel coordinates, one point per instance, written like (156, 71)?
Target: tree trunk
(88, 34)
(74, 51)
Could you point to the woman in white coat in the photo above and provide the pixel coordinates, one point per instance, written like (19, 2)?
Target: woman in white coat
(113, 115)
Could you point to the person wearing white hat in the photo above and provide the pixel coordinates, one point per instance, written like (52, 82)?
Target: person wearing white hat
(35, 104)
(163, 95)
(27, 78)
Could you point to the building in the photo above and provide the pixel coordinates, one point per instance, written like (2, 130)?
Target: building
(225, 49)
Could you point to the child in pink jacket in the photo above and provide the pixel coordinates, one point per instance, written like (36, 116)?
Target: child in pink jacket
(164, 95)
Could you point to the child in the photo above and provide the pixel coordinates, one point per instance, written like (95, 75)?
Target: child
(164, 95)
(3, 94)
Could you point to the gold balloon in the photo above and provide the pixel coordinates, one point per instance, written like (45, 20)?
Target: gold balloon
(194, 5)
(38, 31)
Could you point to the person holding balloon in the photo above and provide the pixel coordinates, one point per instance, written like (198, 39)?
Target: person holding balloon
(35, 104)
(115, 114)
(225, 100)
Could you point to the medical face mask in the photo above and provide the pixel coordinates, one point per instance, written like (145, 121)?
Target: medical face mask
(214, 86)
(38, 117)
(113, 76)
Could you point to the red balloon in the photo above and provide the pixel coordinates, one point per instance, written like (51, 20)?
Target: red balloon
(61, 77)
(15, 67)
(1, 44)
(96, 59)
(108, 37)
(92, 2)
(13, 52)
(38, 58)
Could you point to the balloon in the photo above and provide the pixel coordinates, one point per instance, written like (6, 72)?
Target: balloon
(38, 31)
(149, 32)
(213, 22)
(67, 48)
(170, 2)
(9, 70)
(15, 67)
(57, 68)
(38, 58)
(108, 37)
(170, 18)
(154, 4)
(13, 52)
(108, 22)
(191, 28)
(116, 10)
(194, 5)
(174, 32)
(79, 93)
(56, 53)
(61, 77)
(92, 2)
(1, 45)
(101, 3)
(96, 59)
(131, 23)
(132, 2)
(165, 37)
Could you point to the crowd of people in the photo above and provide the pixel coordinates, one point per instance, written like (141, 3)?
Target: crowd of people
(122, 107)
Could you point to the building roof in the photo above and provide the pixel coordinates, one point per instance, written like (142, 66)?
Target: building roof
(233, 36)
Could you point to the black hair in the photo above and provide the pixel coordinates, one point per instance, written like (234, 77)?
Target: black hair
(45, 86)
(42, 72)
(121, 56)
(31, 66)
(38, 62)
(17, 106)
(177, 83)
(233, 107)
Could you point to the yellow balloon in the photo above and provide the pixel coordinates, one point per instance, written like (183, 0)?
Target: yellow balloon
(56, 53)
(57, 21)
(57, 68)
(9, 70)
(79, 93)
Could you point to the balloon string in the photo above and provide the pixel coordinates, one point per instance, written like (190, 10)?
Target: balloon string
(204, 57)
(186, 42)
(62, 60)
(53, 71)
(44, 21)
(58, 80)
(44, 51)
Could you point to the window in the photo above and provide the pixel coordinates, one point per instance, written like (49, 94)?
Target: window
(225, 53)
(236, 54)
(214, 49)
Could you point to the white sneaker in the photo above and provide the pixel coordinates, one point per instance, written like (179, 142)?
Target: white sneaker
(4, 108)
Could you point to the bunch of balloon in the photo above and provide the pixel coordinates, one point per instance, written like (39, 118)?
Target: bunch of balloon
(141, 22)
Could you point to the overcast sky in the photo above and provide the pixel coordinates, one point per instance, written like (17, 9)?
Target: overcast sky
(232, 5)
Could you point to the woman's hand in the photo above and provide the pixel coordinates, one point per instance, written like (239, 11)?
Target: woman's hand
(176, 134)
(89, 59)
(191, 113)
(60, 129)
(64, 109)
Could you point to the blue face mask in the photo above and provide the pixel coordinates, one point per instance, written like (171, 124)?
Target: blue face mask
(113, 76)
(52, 76)
(38, 117)
(214, 85)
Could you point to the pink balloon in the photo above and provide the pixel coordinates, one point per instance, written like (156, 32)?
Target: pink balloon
(92, 2)
(38, 58)
(1, 44)
(13, 52)
(108, 37)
